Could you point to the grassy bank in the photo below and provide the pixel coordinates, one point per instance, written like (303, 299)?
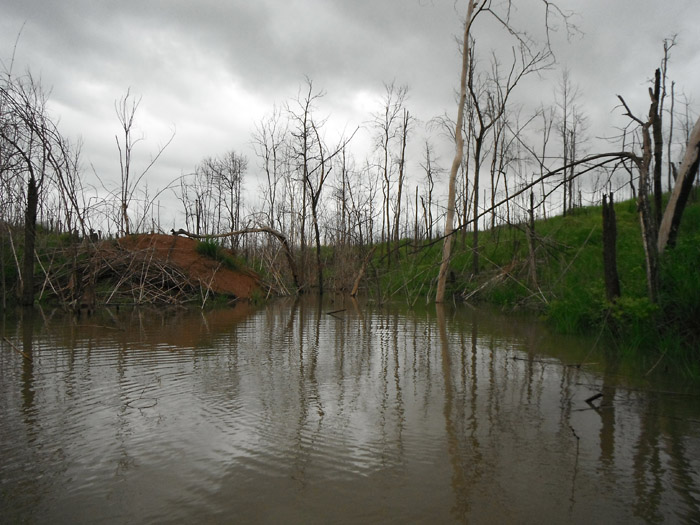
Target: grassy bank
(568, 288)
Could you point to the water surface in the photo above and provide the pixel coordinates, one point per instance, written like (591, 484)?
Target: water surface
(289, 414)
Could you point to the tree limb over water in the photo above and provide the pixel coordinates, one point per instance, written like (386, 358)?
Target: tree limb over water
(245, 231)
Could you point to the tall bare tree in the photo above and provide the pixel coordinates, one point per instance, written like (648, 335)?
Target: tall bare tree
(490, 102)
(126, 108)
(431, 171)
(268, 142)
(404, 129)
(38, 155)
(388, 124)
(474, 9)
(687, 172)
(314, 160)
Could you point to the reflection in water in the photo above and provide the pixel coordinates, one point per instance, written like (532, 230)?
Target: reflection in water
(459, 482)
(27, 364)
(289, 414)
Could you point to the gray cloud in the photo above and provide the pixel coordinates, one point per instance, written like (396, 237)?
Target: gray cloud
(213, 68)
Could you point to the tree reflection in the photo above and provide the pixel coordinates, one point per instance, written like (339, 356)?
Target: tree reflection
(454, 415)
(460, 482)
(309, 396)
(28, 392)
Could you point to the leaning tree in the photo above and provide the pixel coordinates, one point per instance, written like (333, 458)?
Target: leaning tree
(501, 12)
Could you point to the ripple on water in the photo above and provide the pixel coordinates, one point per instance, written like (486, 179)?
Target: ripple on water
(295, 415)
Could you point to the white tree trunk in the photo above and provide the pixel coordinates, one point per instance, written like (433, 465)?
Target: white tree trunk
(676, 202)
(459, 153)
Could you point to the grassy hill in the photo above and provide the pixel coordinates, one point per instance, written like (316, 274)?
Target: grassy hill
(569, 289)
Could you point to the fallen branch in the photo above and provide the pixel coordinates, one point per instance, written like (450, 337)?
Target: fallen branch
(264, 229)
(332, 314)
(493, 280)
(23, 354)
(208, 285)
(663, 354)
(593, 398)
(551, 362)
(361, 273)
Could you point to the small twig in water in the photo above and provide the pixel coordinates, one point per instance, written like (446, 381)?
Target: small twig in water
(656, 364)
(593, 398)
(23, 354)
(574, 433)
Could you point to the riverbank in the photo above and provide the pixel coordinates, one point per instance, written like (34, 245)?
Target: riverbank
(554, 270)
(566, 286)
(145, 269)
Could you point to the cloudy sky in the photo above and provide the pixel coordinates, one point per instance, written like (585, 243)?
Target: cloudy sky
(211, 69)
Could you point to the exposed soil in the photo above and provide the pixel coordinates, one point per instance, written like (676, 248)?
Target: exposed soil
(181, 252)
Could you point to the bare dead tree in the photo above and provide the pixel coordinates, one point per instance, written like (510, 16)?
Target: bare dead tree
(612, 280)
(222, 180)
(657, 97)
(564, 104)
(315, 163)
(268, 141)
(670, 173)
(405, 126)
(25, 134)
(500, 11)
(341, 223)
(647, 222)
(431, 172)
(472, 11)
(126, 109)
(300, 114)
(490, 102)
(387, 123)
(362, 190)
(687, 172)
(39, 157)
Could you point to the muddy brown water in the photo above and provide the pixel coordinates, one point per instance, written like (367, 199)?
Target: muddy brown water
(292, 414)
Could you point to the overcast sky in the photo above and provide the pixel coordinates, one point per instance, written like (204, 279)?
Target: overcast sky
(211, 69)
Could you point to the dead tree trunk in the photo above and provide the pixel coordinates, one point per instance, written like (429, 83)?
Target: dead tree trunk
(29, 242)
(361, 273)
(456, 162)
(647, 222)
(531, 241)
(681, 190)
(612, 281)
(646, 219)
(658, 146)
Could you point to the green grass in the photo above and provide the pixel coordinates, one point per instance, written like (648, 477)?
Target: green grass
(570, 289)
(215, 251)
